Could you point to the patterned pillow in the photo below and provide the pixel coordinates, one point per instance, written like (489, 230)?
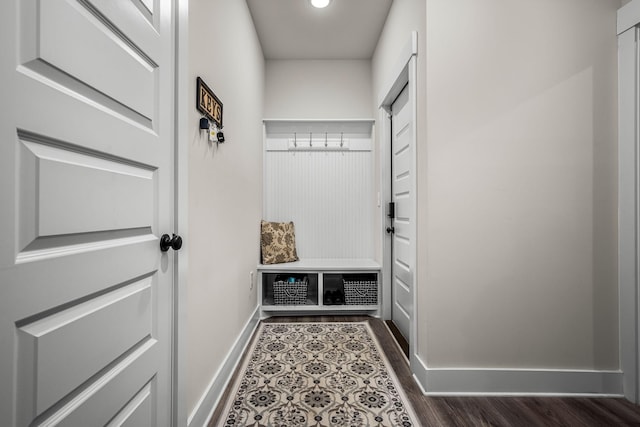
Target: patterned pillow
(278, 242)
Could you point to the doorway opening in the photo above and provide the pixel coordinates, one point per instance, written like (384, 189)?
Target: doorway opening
(398, 166)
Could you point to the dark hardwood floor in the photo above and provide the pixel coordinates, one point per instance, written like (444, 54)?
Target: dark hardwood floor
(482, 411)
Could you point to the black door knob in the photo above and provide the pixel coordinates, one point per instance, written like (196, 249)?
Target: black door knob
(174, 242)
(391, 230)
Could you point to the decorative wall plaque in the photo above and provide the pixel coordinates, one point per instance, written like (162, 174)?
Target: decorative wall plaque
(208, 103)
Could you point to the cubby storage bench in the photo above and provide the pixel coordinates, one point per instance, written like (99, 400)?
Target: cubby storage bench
(321, 286)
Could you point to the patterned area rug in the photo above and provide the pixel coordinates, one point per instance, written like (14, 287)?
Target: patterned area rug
(317, 374)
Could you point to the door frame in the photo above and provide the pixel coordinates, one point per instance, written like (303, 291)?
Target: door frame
(180, 412)
(629, 196)
(404, 73)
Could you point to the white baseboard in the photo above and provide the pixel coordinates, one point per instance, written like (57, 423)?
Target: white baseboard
(204, 409)
(515, 382)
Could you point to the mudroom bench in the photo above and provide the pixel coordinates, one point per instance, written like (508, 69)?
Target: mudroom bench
(320, 286)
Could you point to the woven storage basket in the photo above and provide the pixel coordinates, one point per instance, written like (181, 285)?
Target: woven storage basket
(360, 292)
(289, 293)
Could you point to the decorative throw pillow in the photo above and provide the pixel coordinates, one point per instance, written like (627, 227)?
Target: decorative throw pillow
(278, 242)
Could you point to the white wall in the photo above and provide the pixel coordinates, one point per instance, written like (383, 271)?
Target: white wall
(225, 187)
(318, 89)
(516, 181)
(519, 196)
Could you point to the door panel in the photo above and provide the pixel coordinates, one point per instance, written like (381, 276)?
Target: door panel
(107, 326)
(402, 244)
(51, 46)
(138, 412)
(402, 318)
(86, 161)
(135, 20)
(98, 404)
(131, 83)
(58, 196)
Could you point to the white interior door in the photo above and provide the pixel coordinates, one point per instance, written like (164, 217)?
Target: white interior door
(401, 195)
(86, 143)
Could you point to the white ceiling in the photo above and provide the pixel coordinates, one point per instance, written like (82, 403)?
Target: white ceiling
(293, 29)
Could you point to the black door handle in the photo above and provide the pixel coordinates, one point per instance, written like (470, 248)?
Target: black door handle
(391, 230)
(174, 242)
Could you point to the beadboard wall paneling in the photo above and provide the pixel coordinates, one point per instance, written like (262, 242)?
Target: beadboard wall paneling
(329, 195)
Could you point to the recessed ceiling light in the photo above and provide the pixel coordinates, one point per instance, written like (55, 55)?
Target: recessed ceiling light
(320, 3)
